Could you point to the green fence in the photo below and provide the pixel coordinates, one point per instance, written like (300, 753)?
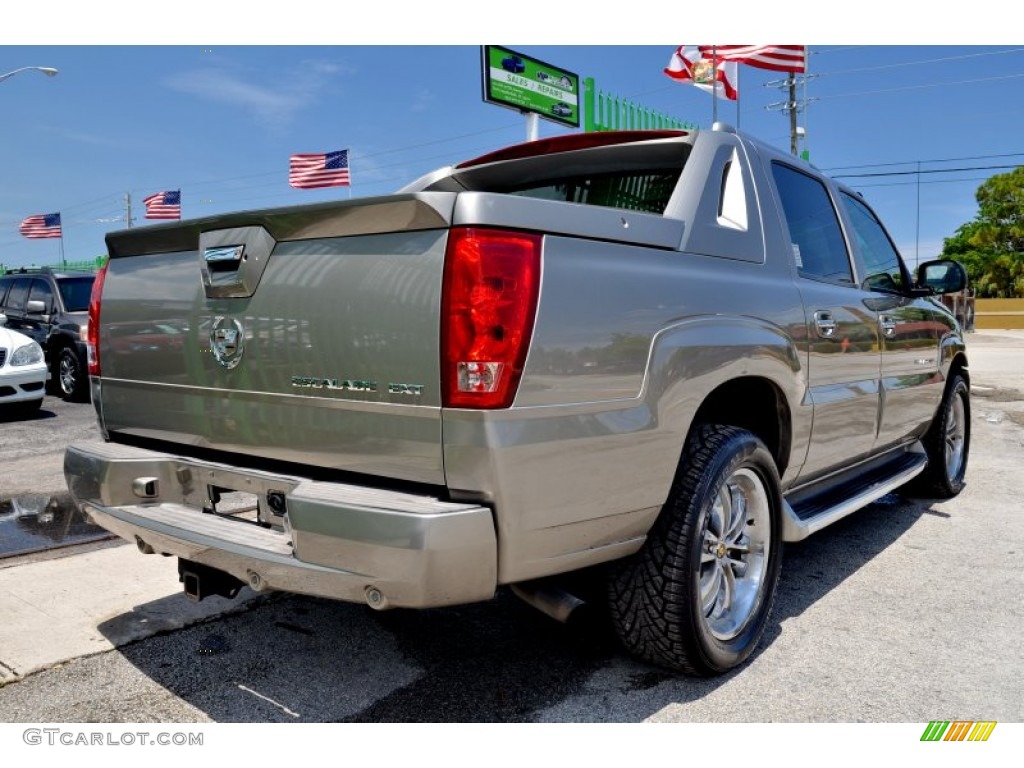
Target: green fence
(605, 112)
(86, 265)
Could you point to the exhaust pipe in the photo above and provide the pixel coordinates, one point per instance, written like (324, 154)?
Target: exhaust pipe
(548, 599)
(203, 581)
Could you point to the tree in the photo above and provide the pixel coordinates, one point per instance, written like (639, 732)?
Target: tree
(991, 247)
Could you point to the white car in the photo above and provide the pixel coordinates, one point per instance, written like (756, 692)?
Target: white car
(22, 370)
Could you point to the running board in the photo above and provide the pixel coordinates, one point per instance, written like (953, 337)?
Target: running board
(812, 513)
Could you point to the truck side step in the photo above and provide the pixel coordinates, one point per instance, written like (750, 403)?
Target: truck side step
(808, 510)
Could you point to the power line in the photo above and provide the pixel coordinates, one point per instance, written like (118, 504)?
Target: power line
(915, 63)
(939, 160)
(928, 181)
(918, 87)
(919, 172)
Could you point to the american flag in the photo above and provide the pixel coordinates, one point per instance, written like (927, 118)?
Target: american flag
(41, 225)
(164, 205)
(312, 171)
(780, 58)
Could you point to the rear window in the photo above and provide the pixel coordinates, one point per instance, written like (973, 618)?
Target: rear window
(647, 191)
(76, 291)
(636, 176)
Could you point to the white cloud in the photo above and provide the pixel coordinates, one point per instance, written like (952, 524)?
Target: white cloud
(83, 137)
(270, 104)
(273, 103)
(424, 100)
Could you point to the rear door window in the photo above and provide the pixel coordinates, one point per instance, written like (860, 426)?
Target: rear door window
(41, 292)
(19, 293)
(817, 242)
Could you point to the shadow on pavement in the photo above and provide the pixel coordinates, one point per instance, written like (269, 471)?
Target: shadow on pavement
(295, 658)
(12, 413)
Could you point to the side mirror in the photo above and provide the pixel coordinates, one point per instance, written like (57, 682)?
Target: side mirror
(35, 307)
(942, 276)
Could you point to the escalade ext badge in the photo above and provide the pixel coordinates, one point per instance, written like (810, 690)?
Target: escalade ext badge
(227, 341)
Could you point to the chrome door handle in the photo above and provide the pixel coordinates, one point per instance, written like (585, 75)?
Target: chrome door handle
(825, 323)
(888, 324)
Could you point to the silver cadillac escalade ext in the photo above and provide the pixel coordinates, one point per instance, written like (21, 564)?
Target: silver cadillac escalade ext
(651, 357)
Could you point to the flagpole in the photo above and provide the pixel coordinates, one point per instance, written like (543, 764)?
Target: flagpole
(714, 85)
(807, 76)
(62, 246)
(738, 91)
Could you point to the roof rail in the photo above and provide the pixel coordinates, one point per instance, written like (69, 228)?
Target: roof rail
(34, 270)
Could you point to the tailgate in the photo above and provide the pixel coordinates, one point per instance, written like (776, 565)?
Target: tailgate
(308, 335)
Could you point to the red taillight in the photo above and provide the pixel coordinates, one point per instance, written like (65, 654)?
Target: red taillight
(491, 280)
(92, 339)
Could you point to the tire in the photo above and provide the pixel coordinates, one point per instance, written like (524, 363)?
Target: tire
(681, 602)
(72, 381)
(947, 445)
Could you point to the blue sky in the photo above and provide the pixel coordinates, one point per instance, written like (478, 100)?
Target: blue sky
(220, 121)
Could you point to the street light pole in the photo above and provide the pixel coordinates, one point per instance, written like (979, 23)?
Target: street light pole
(48, 71)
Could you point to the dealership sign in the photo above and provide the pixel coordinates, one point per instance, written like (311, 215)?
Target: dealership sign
(519, 82)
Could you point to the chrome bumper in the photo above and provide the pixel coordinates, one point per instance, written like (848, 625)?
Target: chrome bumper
(347, 542)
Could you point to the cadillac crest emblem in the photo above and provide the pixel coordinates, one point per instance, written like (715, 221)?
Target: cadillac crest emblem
(227, 341)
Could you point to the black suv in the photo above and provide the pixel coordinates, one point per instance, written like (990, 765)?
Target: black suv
(52, 307)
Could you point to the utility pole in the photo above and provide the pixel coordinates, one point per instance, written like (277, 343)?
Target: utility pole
(792, 114)
(917, 222)
(792, 105)
(127, 210)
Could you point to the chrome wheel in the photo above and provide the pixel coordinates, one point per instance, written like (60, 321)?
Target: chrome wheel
(734, 554)
(955, 437)
(67, 373)
(947, 445)
(696, 597)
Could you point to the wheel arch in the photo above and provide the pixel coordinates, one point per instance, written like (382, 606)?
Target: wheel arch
(732, 371)
(959, 366)
(57, 343)
(756, 404)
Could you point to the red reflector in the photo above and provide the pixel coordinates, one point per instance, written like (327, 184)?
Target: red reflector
(92, 337)
(488, 304)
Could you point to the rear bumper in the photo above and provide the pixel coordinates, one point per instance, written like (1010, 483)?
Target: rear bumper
(340, 541)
